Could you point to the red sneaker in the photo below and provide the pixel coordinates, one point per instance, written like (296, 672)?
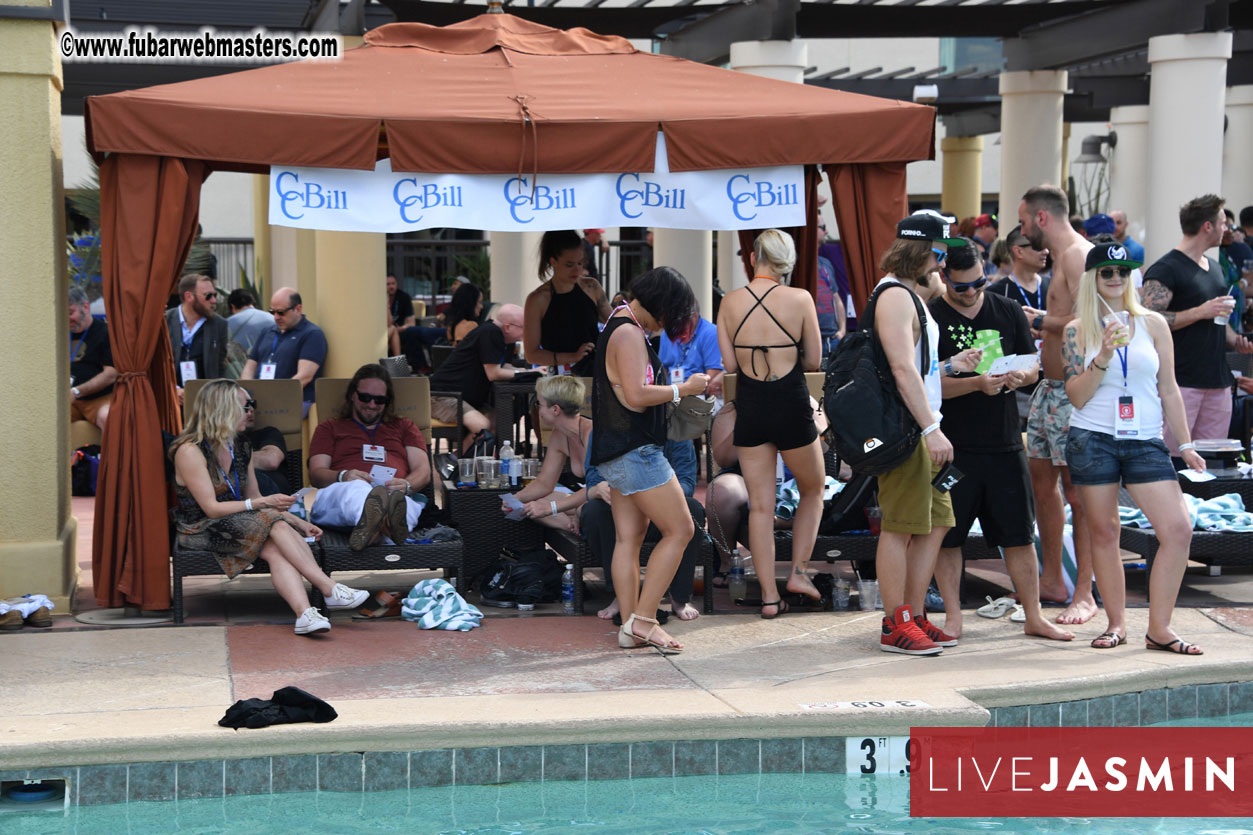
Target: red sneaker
(937, 635)
(901, 634)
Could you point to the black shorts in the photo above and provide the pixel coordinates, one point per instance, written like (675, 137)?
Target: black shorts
(774, 412)
(996, 488)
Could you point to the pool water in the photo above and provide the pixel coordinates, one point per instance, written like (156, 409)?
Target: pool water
(766, 803)
(1234, 720)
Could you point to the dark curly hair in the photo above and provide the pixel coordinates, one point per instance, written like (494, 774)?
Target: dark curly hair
(462, 306)
(668, 298)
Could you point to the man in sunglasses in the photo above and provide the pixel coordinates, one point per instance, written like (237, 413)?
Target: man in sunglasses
(198, 336)
(980, 417)
(269, 450)
(1045, 217)
(368, 464)
(293, 348)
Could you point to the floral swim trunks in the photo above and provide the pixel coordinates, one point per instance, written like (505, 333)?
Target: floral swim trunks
(1048, 424)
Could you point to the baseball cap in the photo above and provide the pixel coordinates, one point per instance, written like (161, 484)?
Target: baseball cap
(927, 225)
(985, 220)
(1114, 254)
(461, 279)
(589, 231)
(1099, 224)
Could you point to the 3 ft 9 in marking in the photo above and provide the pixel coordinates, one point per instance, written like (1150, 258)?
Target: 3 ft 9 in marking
(881, 755)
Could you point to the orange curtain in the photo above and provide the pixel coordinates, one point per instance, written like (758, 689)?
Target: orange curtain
(869, 200)
(805, 274)
(148, 212)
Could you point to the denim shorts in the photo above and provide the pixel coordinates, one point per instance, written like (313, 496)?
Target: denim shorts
(638, 470)
(1098, 458)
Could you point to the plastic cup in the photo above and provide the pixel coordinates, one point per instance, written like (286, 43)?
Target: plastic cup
(467, 472)
(1223, 319)
(874, 517)
(1123, 318)
(868, 595)
(842, 591)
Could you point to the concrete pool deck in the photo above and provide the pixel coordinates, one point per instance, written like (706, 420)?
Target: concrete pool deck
(79, 695)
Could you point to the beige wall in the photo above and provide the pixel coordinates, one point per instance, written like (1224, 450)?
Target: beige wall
(37, 533)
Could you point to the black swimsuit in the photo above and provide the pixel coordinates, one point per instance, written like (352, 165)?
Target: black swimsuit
(772, 411)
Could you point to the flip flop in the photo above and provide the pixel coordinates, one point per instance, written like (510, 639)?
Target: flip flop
(1019, 615)
(385, 604)
(996, 608)
(721, 580)
(1108, 640)
(1183, 648)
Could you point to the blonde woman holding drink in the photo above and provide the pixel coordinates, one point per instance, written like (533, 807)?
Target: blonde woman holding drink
(1120, 377)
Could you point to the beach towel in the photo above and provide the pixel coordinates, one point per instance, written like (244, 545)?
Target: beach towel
(435, 604)
(1221, 513)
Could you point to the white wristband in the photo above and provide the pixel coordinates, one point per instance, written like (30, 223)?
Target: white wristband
(247, 504)
(676, 398)
(340, 476)
(930, 429)
(553, 505)
(1185, 447)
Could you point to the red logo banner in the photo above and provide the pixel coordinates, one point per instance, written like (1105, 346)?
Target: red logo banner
(1081, 772)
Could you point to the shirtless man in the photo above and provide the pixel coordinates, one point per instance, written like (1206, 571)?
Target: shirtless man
(1044, 214)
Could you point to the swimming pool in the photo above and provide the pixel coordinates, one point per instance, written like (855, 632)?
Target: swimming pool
(756, 803)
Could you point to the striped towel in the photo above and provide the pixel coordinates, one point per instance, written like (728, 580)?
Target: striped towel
(1221, 513)
(435, 604)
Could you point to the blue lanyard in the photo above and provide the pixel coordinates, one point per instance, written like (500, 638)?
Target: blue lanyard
(234, 471)
(369, 432)
(74, 346)
(1122, 359)
(274, 346)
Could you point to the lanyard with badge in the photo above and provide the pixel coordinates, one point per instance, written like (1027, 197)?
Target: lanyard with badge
(371, 452)
(186, 366)
(74, 346)
(678, 373)
(234, 472)
(1126, 421)
(648, 366)
(268, 367)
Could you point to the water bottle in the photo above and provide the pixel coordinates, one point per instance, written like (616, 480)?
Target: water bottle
(737, 584)
(506, 455)
(515, 471)
(567, 590)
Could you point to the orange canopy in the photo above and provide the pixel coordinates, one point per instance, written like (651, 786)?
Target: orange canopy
(494, 94)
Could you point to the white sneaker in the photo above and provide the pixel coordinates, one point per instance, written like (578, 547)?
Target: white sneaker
(311, 622)
(342, 597)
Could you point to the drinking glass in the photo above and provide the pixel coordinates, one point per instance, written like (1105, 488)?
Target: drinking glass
(467, 473)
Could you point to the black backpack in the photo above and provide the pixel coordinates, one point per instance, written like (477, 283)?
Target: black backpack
(869, 425)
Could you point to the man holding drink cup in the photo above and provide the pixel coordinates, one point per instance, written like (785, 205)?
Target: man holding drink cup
(1190, 291)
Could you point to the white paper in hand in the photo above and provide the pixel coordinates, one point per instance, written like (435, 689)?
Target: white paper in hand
(1014, 362)
(515, 508)
(380, 475)
(1197, 475)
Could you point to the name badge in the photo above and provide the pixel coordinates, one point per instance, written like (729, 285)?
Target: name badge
(267, 371)
(188, 369)
(373, 452)
(563, 371)
(676, 374)
(1126, 421)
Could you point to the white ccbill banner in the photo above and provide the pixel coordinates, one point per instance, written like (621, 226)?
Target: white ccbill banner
(383, 200)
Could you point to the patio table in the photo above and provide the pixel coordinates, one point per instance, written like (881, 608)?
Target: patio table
(475, 512)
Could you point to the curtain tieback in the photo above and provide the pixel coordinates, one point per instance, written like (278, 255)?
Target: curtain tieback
(126, 375)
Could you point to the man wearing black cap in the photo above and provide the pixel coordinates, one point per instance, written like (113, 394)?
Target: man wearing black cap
(915, 515)
(1045, 217)
(981, 418)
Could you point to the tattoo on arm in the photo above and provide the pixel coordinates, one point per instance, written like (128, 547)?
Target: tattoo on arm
(1157, 296)
(1072, 357)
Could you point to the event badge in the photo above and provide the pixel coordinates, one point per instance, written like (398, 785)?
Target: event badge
(373, 452)
(188, 369)
(1126, 421)
(676, 374)
(267, 371)
(563, 371)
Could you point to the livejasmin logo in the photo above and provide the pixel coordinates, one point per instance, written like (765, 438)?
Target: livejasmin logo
(1100, 772)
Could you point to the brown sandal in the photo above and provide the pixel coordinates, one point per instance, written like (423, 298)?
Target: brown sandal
(386, 604)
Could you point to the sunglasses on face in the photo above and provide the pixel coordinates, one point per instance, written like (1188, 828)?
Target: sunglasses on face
(208, 296)
(940, 255)
(969, 285)
(380, 399)
(250, 405)
(279, 311)
(1108, 273)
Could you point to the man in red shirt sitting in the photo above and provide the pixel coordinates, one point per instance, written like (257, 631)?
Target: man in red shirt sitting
(366, 463)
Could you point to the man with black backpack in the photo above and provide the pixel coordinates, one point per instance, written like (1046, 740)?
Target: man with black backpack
(915, 514)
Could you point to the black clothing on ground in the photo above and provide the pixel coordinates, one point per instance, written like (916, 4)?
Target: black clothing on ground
(618, 429)
(89, 354)
(1201, 347)
(287, 706)
(976, 421)
(463, 370)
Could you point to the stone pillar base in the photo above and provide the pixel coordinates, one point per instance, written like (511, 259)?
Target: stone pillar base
(48, 567)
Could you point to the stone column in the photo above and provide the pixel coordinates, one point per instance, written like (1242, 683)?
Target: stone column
(350, 271)
(962, 176)
(691, 253)
(515, 259)
(1187, 89)
(1238, 149)
(261, 271)
(1031, 134)
(1128, 165)
(730, 269)
(38, 536)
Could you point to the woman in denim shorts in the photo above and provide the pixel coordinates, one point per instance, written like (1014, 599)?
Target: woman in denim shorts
(1120, 378)
(629, 396)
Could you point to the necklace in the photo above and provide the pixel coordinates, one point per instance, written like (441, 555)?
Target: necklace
(767, 278)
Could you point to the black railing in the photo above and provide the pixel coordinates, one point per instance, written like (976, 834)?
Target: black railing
(425, 268)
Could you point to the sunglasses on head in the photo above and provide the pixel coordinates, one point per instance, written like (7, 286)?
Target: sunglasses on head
(969, 285)
(1109, 272)
(940, 255)
(250, 405)
(380, 399)
(279, 311)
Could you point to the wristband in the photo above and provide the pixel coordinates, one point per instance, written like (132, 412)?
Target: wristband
(1098, 365)
(340, 476)
(1037, 322)
(948, 368)
(74, 391)
(676, 397)
(553, 505)
(1185, 447)
(930, 429)
(247, 504)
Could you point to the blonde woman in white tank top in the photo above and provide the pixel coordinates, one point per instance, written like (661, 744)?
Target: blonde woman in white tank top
(1120, 378)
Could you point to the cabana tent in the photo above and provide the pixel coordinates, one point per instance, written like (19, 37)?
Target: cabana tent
(495, 94)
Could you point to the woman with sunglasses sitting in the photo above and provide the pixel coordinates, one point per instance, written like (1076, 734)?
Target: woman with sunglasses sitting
(1120, 377)
(220, 509)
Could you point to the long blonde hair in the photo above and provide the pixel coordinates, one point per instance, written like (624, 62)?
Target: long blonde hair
(1089, 309)
(215, 418)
